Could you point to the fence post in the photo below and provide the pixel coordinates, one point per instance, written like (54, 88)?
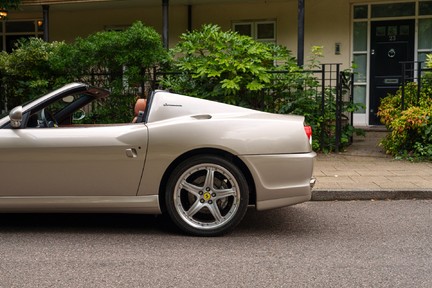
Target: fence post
(403, 87)
(323, 71)
(419, 80)
(351, 101)
(338, 109)
(1, 94)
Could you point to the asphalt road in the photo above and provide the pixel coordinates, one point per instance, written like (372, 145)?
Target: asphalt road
(315, 244)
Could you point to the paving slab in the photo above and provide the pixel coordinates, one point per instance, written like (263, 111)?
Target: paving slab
(365, 172)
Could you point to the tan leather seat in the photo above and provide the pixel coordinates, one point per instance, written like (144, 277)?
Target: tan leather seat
(139, 109)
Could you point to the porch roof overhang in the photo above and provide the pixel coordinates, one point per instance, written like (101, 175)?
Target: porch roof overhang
(68, 5)
(124, 3)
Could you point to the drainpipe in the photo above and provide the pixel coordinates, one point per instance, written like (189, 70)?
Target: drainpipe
(165, 6)
(45, 11)
(301, 30)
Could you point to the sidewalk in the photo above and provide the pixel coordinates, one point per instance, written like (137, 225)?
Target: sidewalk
(365, 172)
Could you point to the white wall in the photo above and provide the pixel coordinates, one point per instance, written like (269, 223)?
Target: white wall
(327, 21)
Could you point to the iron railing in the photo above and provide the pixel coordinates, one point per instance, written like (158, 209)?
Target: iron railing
(337, 88)
(413, 71)
(332, 90)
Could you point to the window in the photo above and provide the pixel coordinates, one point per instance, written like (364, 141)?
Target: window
(424, 38)
(393, 10)
(425, 8)
(361, 12)
(360, 36)
(425, 34)
(12, 31)
(264, 31)
(243, 28)
(360, 42)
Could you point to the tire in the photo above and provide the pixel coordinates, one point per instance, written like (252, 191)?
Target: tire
(206, 196)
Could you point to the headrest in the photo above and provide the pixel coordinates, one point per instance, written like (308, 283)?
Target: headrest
(140, 105)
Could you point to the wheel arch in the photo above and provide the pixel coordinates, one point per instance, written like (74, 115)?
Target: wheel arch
(208, 151)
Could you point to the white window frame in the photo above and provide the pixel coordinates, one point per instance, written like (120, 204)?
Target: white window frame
(254, 28)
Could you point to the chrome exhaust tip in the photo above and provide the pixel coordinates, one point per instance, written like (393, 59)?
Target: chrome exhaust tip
(312, 182)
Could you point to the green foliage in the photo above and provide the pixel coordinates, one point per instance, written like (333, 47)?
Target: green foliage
(116, 60)
(222, 66)
(298, 92)
(235, 69)
(136, 49)
(410, 134)
(10, 4)
(26, 71)
(126, 57)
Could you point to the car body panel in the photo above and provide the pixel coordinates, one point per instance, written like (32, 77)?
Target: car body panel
(250, 131)
(81, 204)
(122, 167)
(90, 161)
(249, 134)
(281, 179)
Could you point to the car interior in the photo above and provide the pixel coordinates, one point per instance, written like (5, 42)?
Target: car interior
(75, 110)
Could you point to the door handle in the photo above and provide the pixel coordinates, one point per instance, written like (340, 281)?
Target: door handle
(131, 153)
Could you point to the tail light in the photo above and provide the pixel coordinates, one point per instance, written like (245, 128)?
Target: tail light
(308, 131)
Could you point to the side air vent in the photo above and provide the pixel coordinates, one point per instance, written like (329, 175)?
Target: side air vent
(202, 117)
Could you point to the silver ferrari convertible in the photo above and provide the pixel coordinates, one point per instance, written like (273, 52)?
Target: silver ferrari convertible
(201, 162)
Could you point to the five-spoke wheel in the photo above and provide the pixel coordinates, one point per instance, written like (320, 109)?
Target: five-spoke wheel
(207, 195)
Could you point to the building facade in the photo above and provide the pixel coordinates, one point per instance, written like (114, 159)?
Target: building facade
(372, 36)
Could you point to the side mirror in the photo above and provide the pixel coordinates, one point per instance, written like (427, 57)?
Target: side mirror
(15, 117)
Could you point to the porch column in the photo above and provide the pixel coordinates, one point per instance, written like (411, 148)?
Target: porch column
(45, 11)
(165, 19)
(300, 32)
(189, 14)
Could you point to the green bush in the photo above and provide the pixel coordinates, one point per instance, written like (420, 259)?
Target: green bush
(125, 58)
(221, 66)
(410, 129)
(116, 60)
(26, 72)
(410, 134)
(235, 69)
(130, 53)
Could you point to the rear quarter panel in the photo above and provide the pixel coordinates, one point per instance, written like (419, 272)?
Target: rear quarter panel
(206, 124)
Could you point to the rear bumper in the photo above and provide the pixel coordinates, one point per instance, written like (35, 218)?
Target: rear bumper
(281, 179)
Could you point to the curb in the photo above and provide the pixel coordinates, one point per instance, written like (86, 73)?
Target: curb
(345, 195)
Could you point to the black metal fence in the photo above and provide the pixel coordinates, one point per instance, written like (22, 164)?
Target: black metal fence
(413, 71)
(336, 88)
(330, 87)
(335, 92)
